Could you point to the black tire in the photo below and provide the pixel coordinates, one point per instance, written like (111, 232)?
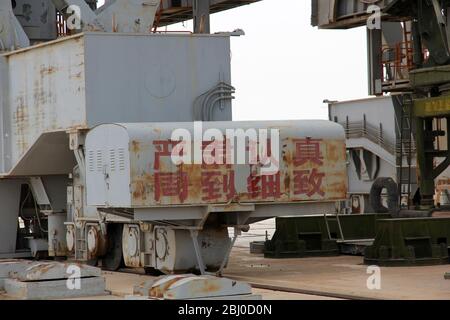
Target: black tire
(375, 196)
(113, 259)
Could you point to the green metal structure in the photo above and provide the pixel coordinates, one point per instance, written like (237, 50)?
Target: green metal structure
(429, 80)
(413, 237)
(297, 237)
(410, 242)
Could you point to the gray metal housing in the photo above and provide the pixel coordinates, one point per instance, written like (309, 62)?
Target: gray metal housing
(373, 133)
(37, 18)
(93, 78)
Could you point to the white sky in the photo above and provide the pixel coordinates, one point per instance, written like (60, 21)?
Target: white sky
(283, 68)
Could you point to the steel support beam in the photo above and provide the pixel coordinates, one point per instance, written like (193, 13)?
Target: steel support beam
(201, 12)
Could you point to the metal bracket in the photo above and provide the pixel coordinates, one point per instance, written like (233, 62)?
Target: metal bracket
(237, 232)
(198, 253)
(39, 193)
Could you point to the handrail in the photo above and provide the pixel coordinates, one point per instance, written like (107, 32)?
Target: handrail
(398, 67)
(362, 129)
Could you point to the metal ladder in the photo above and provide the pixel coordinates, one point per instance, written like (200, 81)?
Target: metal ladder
(325, 216)
(80, 245)
(405, 150)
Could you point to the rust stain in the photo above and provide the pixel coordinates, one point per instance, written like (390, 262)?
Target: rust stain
(287, 182)
(35, 272)
(21, 122)
(47, 70)
(135, 146)
(76, 75)
(211, 287)
(334, 184)
(139, 191)
(158, 292)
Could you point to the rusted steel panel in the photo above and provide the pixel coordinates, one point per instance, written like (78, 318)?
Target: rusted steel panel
(132, 163)
(176, 287)
(81, 81)
(47, 92)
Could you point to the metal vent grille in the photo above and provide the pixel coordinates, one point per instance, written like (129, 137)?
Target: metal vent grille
(99, 161)
(91, 161)
(121, 159)
(112, 160)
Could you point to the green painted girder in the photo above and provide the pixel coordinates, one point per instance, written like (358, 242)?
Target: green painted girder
(432, 107)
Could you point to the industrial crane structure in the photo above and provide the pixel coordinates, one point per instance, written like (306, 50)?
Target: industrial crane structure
(409, 58)
(95, 103)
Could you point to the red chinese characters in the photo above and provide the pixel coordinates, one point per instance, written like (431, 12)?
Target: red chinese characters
(163, 149)
(217, 186)
(309, 181)
(214, 153)
(169, 184)
(217, 177)
(307, 150)
(264, 186)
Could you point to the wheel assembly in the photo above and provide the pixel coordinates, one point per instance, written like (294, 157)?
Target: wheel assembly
(113, 259)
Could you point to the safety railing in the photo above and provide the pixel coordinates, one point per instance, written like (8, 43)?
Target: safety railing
(363, 129)
(397, 61)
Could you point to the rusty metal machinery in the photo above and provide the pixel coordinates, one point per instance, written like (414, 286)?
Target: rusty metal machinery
(88, 123)
(408, 54)
(130, 172)
(409, 58)
(326, 235)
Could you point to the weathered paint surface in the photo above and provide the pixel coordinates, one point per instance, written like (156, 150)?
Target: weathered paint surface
(184, 184)
(46, 92)
(192, 287)
(93, 78)
(24, 270)
(312, 168)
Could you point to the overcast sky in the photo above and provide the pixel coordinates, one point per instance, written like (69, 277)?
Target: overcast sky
(283, 68)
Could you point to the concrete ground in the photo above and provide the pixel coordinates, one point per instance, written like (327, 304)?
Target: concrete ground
(121, 286)
(340, 276)
(343, 276)
(307, 278)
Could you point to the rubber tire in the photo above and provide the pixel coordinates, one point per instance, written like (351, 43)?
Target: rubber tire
(375, 196)
(113, 260)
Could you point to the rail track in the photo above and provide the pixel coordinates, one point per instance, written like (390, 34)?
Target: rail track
(276, 288)
(312, 293)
